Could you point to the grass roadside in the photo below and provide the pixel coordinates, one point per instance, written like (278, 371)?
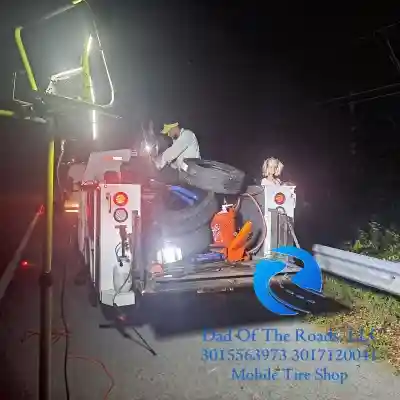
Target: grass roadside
(368, 309)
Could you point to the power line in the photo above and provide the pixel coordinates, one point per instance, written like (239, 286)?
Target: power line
(393, 58)
(352, 95)
(377, 97)
(380, 29)
(383, 28)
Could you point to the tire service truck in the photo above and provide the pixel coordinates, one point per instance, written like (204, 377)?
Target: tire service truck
(138, 236)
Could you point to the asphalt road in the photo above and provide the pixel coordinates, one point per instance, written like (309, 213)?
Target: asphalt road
(174, 328)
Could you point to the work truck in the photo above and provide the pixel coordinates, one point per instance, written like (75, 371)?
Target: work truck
(138, 236)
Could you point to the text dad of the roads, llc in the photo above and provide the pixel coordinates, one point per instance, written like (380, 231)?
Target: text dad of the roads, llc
(251, 350)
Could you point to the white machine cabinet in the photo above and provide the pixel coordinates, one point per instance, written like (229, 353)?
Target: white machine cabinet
(270, 198)
(278, 231)
(104, 208)
(112, 216)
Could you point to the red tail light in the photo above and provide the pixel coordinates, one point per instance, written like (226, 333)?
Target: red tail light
(120, 199)
(280, 199)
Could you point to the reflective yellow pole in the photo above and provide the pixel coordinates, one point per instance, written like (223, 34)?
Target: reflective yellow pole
(49, 206)
(6, 113)
(46, 289)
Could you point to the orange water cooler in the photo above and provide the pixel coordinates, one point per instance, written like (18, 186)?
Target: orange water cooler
(225, 238)
(223, 227)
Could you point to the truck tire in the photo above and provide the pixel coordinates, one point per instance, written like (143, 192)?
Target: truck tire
(214, 176)
(191, 243)
(188, 219)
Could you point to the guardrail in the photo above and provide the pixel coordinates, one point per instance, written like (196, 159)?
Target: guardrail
(379, 274)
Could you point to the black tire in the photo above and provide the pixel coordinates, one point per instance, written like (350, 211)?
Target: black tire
(191, 243)
(214, 176)
(189, 219)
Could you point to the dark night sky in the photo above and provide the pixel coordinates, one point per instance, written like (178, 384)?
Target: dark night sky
(245, 76)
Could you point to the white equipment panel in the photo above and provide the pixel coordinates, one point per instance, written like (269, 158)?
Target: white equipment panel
(276, 196)
(108, 228)
(289, 204)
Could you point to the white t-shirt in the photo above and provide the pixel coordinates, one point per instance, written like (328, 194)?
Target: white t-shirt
(185, 146)
(267, 182)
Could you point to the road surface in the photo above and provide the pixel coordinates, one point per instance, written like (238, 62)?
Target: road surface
(174, 328)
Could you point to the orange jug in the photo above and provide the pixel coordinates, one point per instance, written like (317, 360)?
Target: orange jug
(223, 227)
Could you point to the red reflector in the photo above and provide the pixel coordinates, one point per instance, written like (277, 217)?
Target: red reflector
(120, 199)
(24, 264)
(280, 198)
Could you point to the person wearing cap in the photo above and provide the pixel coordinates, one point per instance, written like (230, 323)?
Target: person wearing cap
(185, 145)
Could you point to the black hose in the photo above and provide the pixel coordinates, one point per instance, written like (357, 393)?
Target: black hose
(65, 324)
(257, 247)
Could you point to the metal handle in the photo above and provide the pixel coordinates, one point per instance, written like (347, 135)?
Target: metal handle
(57, 102)
(108, 197)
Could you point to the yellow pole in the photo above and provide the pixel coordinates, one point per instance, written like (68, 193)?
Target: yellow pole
(24, 58)
(50, 204)
(6, 113)
(46, 289)
(87, 80)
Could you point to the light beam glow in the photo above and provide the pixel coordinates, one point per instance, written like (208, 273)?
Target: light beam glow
(66, 74)
(92, 95)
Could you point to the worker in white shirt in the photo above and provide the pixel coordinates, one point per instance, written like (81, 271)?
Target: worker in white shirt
(185, 145)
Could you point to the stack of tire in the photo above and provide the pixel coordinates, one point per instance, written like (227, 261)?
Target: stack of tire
(189, 228)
